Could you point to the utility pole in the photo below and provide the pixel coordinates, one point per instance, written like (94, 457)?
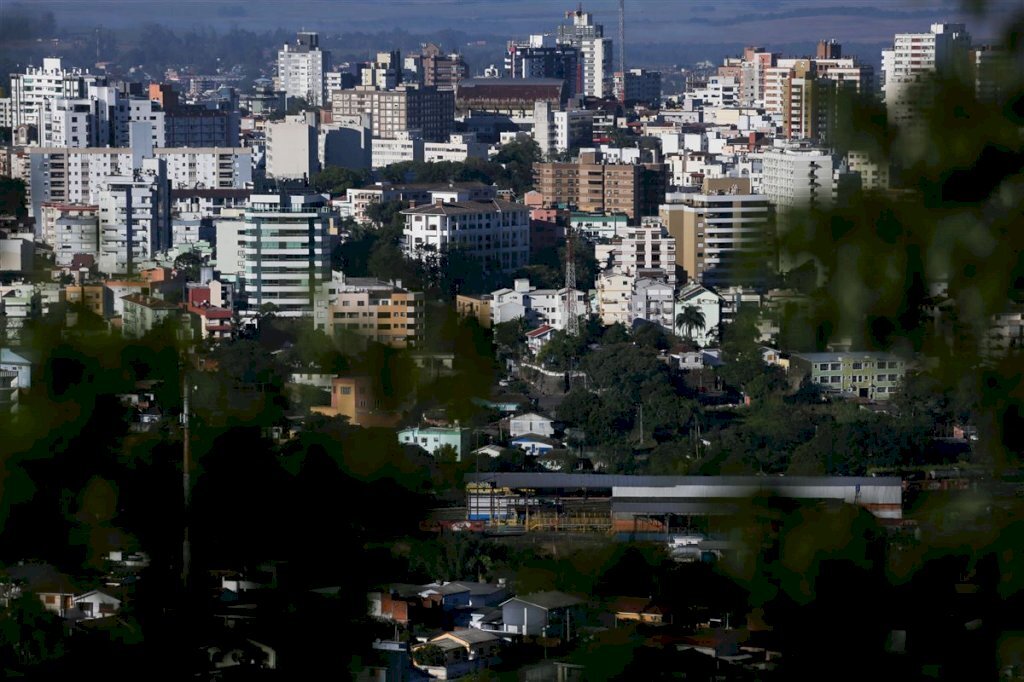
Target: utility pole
(186, 481)
(641, 423)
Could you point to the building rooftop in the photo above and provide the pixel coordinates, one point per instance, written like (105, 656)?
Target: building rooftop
(149, 302)
(449, 208)
(836, 357)
(547, 600)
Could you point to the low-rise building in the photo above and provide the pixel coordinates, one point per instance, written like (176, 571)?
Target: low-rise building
(453, 655)
(495, 233)
(531, 422)
(653, 300)
(370, 308)
(708, 303)
(477, 307)
(356, 398)
(542, 614)
(876, 376)
(433, 438)
(143, 313)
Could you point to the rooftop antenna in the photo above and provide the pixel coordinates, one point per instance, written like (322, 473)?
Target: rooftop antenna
(622, 42)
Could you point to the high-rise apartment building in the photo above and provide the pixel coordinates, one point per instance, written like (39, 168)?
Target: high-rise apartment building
(913, 58)
(440, 70)
(540, 57)
(722, 233)
(638, 86)
(798, 177)
(406, 108)
(134, 217)
(301, 67)
(384, 73)
(33, 89)
(592, 186)
(286, 256)
(594, 74)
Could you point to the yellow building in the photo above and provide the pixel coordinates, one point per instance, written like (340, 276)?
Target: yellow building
(475, 306)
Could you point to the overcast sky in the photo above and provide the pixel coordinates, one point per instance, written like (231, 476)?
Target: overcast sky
(703, 21)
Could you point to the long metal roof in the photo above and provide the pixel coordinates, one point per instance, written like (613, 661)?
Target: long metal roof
(557, 480)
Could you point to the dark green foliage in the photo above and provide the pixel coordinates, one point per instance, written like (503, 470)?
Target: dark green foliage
(337, 180)
(12, 197)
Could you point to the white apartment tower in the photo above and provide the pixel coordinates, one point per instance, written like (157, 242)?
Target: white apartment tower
(595, 69)
(134, 217)
(301, 67)
(285, 252)
(32, 90)
(916, 56)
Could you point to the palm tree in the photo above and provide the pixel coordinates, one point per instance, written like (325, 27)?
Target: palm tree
(689, 319)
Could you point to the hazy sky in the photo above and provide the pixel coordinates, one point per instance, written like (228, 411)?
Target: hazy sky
(694, 21)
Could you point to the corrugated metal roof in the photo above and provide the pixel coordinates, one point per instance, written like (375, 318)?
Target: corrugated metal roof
(556, 480)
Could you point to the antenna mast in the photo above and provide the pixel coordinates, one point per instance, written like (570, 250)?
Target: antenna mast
(622, 45)
(572, 319)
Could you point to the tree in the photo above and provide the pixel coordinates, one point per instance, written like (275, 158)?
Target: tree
(188, 264)
(429, 654)
(338, 179)
(446, 453)
(689, 319)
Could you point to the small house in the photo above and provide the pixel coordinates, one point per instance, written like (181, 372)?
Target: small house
(97, 604)
(531, 422)
(451, 655)
(542, 614)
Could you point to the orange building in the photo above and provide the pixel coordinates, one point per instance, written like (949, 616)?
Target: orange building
(355, 398)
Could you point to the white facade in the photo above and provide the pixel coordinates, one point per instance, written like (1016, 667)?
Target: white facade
(75, 235)
(537, 306)
(709, 303)
(530, 422)
(33, 89)
(134, 218)
(459, 148)
(292, 149)
(301, 68)
(207, 167)
(496, 232)
(798, 178)
(286, 257)
(653, 300)
(913, 57)
(405, 146)
(77, 176)
(614, 298)
(97, 604)
(640, 250)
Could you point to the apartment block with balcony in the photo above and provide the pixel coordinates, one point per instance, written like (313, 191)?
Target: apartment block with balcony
(285, 253)
(722, 233)
(377, 311)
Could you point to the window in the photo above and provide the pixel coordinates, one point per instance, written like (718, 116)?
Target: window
(835, 366)
(857, 365)
(346, 390)
(50, 599)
